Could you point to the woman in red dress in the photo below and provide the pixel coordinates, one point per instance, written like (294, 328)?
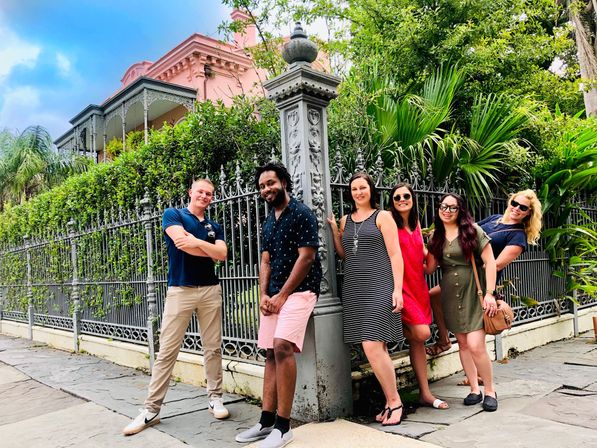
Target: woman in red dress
(416, 313)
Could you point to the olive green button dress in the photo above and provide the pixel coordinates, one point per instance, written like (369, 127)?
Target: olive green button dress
(460, 302)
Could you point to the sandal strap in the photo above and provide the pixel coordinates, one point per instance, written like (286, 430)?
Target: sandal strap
(390, 410)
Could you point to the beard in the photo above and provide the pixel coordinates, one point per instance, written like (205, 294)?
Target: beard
(278, 198)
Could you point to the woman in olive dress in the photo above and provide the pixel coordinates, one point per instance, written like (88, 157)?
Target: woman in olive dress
(457, 242)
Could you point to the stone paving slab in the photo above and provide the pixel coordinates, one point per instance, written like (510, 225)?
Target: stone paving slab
(84, 425)
(512, 430)
(9, 374)
(573, 409)
(345, 434)
(457, 412)
(545, 370)
(201, 429)
(11, 342)
(28, 398)
(127, 394)
(409, 428)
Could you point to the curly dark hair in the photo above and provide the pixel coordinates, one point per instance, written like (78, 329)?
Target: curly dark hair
(280, 171)
(363, 175)
(413, 216)
(467, 234)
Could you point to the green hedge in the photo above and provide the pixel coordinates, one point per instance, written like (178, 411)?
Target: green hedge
(211, 137)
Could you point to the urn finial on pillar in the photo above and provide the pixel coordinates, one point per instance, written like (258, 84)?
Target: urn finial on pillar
(299, 48)
(302, 95)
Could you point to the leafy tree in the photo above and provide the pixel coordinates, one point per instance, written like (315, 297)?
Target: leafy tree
(29, 164)
(583, 15)
(569, 179)
(213, 136)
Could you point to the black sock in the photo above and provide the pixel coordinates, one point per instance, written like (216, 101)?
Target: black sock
(283, 424)
(267, 419)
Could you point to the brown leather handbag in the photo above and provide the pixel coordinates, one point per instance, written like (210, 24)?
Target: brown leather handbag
(504, 316)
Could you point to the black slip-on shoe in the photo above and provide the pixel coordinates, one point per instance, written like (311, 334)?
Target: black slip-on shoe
(490, 404)
(472, 399)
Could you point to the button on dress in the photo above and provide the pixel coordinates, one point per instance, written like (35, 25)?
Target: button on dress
(461, 305)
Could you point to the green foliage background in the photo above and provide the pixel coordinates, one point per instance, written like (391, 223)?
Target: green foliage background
(209, 138)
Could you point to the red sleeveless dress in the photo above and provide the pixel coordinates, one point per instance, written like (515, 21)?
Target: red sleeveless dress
(417, 307)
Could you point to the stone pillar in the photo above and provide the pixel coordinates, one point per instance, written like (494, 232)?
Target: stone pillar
(575, 313)
(152, 315)
(324, 386)
(30, 309)
(75, 286)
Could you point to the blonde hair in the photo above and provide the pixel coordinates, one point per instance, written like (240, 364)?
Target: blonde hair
(207, 181)
(533, 222)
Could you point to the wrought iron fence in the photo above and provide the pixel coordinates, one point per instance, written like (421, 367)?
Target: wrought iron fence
(104, 268)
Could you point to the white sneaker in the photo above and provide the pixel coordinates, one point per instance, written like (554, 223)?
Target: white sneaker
(216, 407)
(144, 420)
(276, 439)
(254, 433)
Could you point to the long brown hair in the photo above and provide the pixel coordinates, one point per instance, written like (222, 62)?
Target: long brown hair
(467, 234)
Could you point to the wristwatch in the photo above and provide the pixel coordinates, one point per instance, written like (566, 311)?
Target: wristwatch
(493, 292)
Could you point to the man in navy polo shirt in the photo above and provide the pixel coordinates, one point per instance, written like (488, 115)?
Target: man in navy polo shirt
(289, 278)
(193, 243)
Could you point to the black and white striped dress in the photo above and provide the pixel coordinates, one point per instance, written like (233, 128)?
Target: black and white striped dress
(368, 285)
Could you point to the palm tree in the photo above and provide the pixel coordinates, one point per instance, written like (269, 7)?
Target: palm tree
(417, 129)
(29, 164)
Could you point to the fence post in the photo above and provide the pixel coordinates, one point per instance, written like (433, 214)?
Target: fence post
(152, 318)
(30, 316)
(575, 312)
(75, 286)
(302, 95)
(1, 294)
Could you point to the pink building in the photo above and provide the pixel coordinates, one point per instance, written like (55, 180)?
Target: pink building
(198, 69)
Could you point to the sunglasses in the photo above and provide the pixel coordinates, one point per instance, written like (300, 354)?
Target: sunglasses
(522, 207)
(400, 197)
(449, 208)
(210, 230)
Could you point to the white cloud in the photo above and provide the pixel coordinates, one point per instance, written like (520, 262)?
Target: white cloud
(14, 51)
(22, 107)
(64, 64)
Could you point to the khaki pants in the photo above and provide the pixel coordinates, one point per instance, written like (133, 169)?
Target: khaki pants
(180, 304)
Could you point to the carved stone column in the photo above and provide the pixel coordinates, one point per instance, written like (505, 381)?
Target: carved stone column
(324, 387)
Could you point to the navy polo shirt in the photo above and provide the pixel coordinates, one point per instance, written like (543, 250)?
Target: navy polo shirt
(503, 235)
(185, 269)
(295, 227)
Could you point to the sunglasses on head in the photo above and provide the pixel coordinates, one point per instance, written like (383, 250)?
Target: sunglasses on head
(522, 207)
(400, 197)
(449, 208)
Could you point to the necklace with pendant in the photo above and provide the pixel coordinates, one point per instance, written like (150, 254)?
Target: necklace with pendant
(355, 238)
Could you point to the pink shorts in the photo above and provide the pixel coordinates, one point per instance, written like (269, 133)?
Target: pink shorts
(290, 323)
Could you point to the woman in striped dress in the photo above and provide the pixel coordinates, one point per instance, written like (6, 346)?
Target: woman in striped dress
(367, 240)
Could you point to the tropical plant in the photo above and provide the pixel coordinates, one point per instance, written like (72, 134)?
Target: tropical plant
(570, 177)
(29, 164)
(417, 129)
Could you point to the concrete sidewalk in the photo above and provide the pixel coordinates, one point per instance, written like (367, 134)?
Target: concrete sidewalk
(51, 398)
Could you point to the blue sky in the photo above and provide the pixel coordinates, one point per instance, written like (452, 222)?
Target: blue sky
(58, 56)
